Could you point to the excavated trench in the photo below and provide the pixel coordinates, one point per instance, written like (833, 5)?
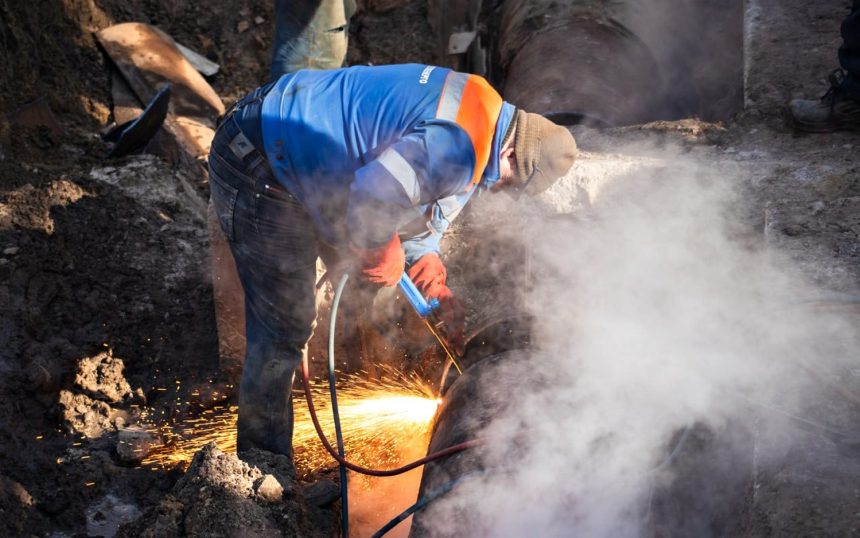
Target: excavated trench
(622, 63)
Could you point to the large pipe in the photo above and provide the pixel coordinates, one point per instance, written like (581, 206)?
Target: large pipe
(494, 356)
(574, 62)
(601, 62)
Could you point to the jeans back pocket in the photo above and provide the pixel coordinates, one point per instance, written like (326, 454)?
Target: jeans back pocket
(224, 201)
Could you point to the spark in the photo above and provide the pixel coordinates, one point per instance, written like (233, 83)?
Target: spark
(379, 419)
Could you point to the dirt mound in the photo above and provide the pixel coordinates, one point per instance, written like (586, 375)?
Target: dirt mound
(221, 495)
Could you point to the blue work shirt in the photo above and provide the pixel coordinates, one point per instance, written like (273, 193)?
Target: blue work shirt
(373, 150)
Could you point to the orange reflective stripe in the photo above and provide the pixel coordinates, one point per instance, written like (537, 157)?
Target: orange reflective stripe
(477, 113)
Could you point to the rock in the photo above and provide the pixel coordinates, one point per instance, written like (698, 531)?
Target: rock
(243, 26)
(10, 251)
(269, 489)
(322, 493)
(259, 20)
(82, 414)
(277, 465)
(225, 472)
(134, 444)
(106, 516)
(102, 377)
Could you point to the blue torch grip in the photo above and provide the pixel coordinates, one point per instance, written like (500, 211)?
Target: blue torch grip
(422, 307)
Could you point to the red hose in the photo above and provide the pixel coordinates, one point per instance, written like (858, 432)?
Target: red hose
(363, 470)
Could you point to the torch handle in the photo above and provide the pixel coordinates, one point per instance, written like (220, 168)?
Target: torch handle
(422, 307)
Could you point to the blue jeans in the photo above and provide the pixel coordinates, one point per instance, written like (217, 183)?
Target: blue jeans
(275, 247)
(310, 34)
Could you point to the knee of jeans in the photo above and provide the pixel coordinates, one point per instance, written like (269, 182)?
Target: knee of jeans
(282, 369)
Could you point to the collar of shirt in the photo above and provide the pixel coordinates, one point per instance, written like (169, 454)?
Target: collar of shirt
(491, 173)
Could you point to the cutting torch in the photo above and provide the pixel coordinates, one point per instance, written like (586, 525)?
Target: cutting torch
(425, 310)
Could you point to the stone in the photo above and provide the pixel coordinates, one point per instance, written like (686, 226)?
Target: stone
(269, 489)
(134, 444)
(322, 493)
(243, 26)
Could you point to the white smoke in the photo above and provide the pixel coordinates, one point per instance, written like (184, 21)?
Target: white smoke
(658, 310)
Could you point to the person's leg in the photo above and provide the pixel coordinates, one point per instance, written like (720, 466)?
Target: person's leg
(280, 266)
(849, 52)
(839, 108)
(275, 247)
(310, 34)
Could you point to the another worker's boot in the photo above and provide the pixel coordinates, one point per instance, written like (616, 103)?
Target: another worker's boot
(837, 110)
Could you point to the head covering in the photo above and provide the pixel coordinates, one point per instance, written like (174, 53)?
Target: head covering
(544, 151)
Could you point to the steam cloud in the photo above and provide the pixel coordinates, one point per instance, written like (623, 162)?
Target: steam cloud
(659, 312)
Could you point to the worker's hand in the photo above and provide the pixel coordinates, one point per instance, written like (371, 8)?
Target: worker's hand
(383, 265)
(453, 316)
(429, 275)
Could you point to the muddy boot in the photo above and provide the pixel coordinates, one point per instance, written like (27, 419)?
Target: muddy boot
(837, 110)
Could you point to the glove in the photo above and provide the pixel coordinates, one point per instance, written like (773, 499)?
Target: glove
(429, 275)
(453, 315)
(383, 265)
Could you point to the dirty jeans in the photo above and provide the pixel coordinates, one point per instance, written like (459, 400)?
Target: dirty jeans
(275, 247)
(310, 34)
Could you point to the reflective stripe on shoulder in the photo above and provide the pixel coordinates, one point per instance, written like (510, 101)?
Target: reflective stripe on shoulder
(452, 93)
(470, 102)
(403, 172)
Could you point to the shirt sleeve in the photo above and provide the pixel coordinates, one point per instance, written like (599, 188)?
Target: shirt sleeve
(417, 246)
(434, 161)
(436, 221)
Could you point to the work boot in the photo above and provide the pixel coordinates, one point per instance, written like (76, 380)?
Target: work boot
(836, 110)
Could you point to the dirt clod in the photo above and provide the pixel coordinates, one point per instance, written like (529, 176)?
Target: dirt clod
(101, 376)
(322, 493)
(84, 415)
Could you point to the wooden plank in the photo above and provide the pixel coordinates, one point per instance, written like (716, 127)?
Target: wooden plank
(148, 58)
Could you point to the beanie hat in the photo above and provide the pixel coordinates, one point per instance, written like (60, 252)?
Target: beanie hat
(544, 151)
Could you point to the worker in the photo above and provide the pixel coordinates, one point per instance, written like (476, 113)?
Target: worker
(371, 162)
(310, 34)
(839, 108)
